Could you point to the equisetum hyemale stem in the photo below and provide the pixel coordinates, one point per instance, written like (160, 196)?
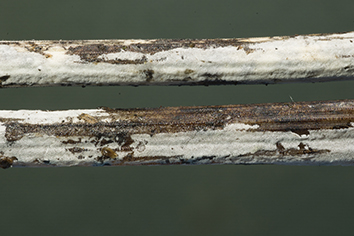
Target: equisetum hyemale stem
(306, 133)
(268, 60)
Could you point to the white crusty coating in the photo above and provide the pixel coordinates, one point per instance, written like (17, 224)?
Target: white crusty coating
(263, 60)
(234, 144)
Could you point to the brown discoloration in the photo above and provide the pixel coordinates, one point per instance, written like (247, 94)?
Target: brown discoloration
(349, 68)
(99, 47)
(303, 149)
(149, 74)
(6, 162)
(125, 140)
(130, 159)
(3, 79)
(87, 118)
(105, 142)
(76, 150)
(41, 162)
(280, 147)
(90, 51)
(94, 51)
(211, 79)
(246, 48)
(92, 57)
(211, 76)
(108, 153)
(280, 151)
(124, 61)
(70, 141)
(300, 131)
(188, 71)
(299, 117)
(38, 48)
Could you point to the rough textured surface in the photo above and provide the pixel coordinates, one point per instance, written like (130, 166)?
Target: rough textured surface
(308, 133)
(177, 62)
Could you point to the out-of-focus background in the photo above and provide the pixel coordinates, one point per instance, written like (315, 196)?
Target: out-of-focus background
(174, 200)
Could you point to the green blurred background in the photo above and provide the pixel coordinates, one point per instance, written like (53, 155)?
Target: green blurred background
(174, 200)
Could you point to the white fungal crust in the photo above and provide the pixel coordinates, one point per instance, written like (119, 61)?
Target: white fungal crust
(144, 62)
(195, 135)
(226, 146)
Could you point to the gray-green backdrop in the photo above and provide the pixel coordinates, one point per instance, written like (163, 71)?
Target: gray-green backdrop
(174, 200)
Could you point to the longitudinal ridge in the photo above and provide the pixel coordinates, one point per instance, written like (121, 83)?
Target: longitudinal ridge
(306, 133)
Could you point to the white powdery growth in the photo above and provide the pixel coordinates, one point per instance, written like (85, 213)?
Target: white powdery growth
(228, 145)
(250, 61)
(50, 117)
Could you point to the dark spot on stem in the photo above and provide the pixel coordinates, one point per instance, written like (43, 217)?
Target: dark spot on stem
(302, 149)
(300, 131)
(3, 79)
(6, 162)
(76, 150)
(70, 141)
(149, 75)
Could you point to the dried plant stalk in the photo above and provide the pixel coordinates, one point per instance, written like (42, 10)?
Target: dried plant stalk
(268, 60)
(301, 133)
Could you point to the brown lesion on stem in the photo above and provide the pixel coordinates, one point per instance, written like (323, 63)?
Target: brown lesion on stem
(3, 79)
(74, 150)
(280, 151)
(107, 153)
(303, 149)
(299, 118)
(90, 51)
(5, 161)
(87, 118)
(38, 48)
(71, 141)
(131, 159)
